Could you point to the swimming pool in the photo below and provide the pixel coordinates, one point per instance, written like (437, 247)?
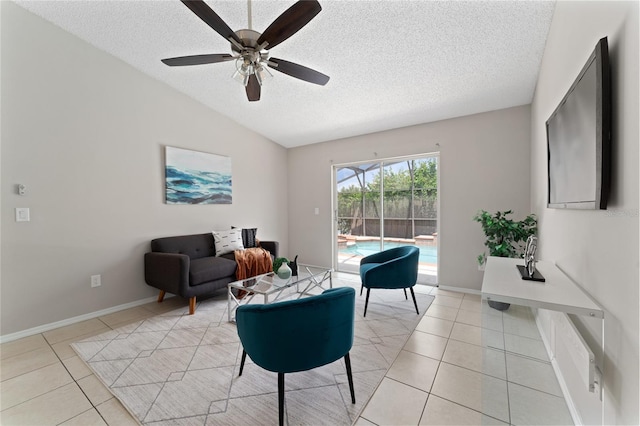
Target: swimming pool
(428, 254)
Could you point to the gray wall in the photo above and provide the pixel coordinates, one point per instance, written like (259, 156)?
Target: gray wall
(86, 134)
(598, 249)
(484, 164)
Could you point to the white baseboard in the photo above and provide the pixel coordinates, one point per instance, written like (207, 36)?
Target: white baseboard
(46, 327)
(459, 289)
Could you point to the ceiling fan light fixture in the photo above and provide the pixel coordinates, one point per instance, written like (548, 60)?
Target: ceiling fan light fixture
(262, 74)
(243, 71)
(241, 78)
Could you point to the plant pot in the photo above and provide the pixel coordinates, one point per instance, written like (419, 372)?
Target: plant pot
(500, 306)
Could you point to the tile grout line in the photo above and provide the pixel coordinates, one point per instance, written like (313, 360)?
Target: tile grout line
(93, 407)
(73, 381)
(424, 410)
(441, 361)
(60, 361)
(504, 351)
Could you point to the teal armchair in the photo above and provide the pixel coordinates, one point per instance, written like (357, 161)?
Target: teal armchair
(299, 335)
(392, 268)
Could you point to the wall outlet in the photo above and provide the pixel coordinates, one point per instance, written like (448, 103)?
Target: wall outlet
(95, 281)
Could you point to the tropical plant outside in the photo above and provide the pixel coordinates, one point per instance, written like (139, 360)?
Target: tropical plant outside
(409, 193)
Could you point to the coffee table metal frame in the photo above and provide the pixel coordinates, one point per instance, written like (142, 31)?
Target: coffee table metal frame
(269, 284)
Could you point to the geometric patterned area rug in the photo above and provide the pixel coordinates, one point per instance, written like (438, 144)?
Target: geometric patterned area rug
(180, 369)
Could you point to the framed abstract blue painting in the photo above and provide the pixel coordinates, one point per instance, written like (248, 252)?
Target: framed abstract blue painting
(194, 177)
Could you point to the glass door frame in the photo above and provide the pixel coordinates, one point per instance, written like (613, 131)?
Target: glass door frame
(381, 164)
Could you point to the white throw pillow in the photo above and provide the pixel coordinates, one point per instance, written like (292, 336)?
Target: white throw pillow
(227, 241)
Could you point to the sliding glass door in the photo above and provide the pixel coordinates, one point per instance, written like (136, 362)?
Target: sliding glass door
(387, 204)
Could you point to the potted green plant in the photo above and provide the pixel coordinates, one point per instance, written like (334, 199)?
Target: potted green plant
(505, 237)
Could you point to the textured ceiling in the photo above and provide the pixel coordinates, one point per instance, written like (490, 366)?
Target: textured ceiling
(392, 63)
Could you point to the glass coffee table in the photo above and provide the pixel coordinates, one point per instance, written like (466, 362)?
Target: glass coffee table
(272, 288)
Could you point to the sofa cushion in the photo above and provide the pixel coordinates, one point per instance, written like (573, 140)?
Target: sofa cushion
(227, 241)
(194, 246)
(211, 268)
(249, 237)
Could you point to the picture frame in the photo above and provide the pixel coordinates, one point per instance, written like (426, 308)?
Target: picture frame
(195, 177)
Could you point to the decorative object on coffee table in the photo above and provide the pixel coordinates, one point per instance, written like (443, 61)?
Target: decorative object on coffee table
(504, 238)
(284, 272)
(294, 266)
(277, 262)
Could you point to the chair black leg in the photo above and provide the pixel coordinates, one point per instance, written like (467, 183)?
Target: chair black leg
(366, 302)
(281, 399)
(361, 287)
(244, 357)
(347, 361)
(405, 294)
(414, 300)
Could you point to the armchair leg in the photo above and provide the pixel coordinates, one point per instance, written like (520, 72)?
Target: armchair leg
(361, 287)
(405, 294)
(192, 305)
(281, 399)
(347, 361)
(244, 357)
(161, 296)
(366, 303)
(414, 300)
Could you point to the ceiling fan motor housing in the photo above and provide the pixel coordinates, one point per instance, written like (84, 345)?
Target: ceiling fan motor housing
(249, 40)
(250, 52)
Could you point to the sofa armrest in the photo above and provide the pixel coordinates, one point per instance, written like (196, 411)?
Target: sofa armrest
(167, 271)
(271, 246)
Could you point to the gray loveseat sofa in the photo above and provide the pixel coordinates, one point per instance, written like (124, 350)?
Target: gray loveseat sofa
(187, 266)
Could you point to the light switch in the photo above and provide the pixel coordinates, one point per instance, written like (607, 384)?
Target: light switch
(22, 214)
(317, 211)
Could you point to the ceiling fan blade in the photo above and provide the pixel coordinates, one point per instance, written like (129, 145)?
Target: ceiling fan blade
(290, 22)
(197, 59)
(253, 88)
(298, 71)
(204, 12)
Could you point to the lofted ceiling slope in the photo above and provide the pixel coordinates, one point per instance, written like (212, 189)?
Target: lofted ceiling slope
(392, 63)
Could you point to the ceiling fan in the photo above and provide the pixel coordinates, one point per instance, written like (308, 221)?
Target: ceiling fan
(248, 46)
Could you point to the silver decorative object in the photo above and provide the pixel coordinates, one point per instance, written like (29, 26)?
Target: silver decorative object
(530, 255)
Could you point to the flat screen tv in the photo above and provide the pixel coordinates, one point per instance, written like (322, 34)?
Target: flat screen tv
(579, 139)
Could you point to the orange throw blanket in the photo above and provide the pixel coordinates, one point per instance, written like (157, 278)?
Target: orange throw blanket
(252, 262)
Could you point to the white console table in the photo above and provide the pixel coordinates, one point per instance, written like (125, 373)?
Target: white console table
(503, 283)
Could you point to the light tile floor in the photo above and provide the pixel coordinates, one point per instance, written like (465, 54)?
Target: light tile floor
(468, 364)
(465, 364)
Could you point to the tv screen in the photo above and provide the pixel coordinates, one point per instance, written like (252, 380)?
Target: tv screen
(579, 139)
